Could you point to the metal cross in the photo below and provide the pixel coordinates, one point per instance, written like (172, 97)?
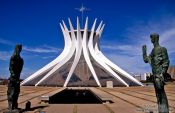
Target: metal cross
(82, 9)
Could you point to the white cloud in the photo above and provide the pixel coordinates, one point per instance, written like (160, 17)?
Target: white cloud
(131, 50)
(39, 49)
(118, 47)
(42, 49)
(47, 57)
(6, 42)
(168, 40)
(5, 55)
(167, 35)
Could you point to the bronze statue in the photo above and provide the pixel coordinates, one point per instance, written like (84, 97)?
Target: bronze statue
(15, 68)
(159, 61)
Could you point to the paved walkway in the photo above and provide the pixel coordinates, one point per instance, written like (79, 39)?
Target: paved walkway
(125, 100)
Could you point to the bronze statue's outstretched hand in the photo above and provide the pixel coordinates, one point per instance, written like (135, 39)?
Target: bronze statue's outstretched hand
(145, 57)
(144, 49)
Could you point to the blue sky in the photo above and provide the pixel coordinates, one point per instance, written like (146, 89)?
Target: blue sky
(128, 24)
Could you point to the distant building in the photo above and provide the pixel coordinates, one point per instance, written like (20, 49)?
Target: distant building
(138, 77)
(3, 81)
(145, 76)
(171, 71)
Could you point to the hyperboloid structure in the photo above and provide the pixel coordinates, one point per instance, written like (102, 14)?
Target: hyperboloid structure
(81, 62)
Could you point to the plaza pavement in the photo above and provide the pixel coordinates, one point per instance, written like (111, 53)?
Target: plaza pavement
(125, 100)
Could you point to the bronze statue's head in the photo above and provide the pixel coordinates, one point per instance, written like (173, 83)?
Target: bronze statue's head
(18, 49)
(154, 37)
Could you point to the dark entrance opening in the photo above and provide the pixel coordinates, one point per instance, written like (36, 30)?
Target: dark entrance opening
(72, 96)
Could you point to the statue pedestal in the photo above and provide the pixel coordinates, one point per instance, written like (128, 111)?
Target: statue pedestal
(13, 111)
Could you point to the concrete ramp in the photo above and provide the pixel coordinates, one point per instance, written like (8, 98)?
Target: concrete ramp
(45, 98)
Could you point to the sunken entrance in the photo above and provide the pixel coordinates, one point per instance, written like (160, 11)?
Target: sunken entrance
(75, 96)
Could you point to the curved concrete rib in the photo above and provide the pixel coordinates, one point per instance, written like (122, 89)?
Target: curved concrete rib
(86, 53)
(96, 38)
(49, 66)
(99, 61)
(66, 57)
(112, 65)
(78, 51)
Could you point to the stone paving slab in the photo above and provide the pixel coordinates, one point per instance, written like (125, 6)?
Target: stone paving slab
(151, 94)
(123, 107)
(61, 108)
(91, 108)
